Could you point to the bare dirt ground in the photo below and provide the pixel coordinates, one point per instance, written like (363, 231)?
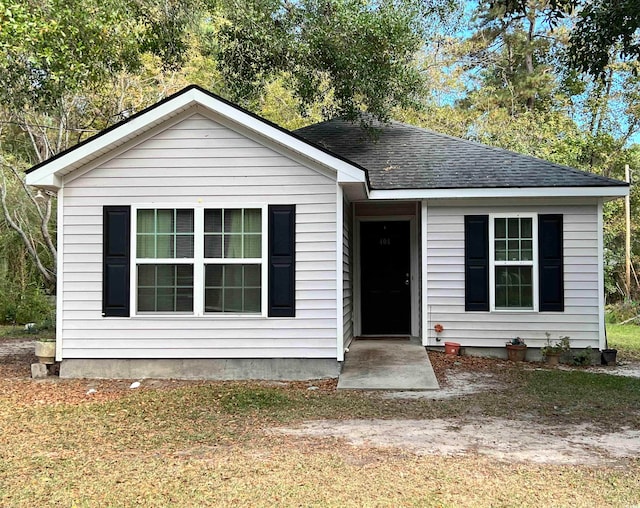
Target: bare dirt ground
(491, 437)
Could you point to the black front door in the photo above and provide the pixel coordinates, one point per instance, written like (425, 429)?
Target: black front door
(385, 264)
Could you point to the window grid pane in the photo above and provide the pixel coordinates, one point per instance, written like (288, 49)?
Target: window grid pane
(513, 239)
(165, 233)
(233, 233)
(165, 288)
(514, 288)
(232, 288)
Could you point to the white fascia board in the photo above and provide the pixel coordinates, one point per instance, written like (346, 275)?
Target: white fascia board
(82, 154)
(43, 175)
(47, 180)
(510, 192)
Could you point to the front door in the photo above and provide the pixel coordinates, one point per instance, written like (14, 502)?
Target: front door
(385, 278)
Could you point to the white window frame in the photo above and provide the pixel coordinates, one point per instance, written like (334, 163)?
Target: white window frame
(493, 263)
(199, 261)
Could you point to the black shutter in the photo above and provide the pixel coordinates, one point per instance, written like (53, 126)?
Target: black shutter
(282, 260)
(116, 230)
(550, 269)
(476, 262)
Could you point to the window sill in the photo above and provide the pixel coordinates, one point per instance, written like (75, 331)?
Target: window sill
(189, 317)
(513, 311)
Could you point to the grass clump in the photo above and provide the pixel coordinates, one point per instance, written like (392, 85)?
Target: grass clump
(626, 339)
(242, 399)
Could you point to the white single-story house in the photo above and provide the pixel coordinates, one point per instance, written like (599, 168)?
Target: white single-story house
(197, 239)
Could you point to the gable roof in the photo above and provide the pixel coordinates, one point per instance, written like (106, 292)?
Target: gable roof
(406, 157)
(49, 173)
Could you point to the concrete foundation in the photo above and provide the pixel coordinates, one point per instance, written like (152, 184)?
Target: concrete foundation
(534, 354)
(282, 369)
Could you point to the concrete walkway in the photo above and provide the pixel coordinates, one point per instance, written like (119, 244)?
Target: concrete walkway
(387, 364)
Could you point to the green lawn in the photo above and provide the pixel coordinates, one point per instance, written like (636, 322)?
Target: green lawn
(626, 339)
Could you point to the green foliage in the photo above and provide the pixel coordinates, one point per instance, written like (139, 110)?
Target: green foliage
(564, 344)
(622, 311)
(55, 47)
(29, 305)
(362, 54)
(601, 29)
(583, 358)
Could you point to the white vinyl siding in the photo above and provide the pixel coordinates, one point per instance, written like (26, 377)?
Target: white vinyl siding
(200, 163)
(445, 281)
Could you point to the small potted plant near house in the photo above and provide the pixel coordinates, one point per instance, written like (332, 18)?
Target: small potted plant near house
(609, 357)
(45, 345)
(516, 350)
(46, 350)
(552, 352)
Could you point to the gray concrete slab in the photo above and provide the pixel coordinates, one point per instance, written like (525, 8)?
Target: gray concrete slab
(387, 364)
(281, 369)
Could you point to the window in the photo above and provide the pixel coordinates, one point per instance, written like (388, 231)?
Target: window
(233, 260)
(164, 252)
(513, 256)
(199, 260)
(514, 262)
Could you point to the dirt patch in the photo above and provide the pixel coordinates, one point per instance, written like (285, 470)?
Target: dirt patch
(457, 385)
(505, 440)
(16, 357)
(15, 347)
(628, 369)
(501, 439)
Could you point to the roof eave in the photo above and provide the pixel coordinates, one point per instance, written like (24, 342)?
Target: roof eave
(611, 192)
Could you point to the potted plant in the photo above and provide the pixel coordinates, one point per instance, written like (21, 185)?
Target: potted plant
(46, 350)
(552, 352)
(609, 357)
(516, 350)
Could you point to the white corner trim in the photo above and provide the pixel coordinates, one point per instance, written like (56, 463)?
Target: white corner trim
(506, 192)
(46, 174)
(602, 338)
(339, 274)
(59, 275)
(423, 274)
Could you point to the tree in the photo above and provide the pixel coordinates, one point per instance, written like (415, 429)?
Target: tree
(58, 58)
(361, 54)
(603, 30)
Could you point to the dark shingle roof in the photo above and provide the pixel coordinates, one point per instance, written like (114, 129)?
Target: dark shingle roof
(402, 156)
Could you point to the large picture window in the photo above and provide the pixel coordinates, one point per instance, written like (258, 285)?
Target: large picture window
(199, 260)
(513, 256)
